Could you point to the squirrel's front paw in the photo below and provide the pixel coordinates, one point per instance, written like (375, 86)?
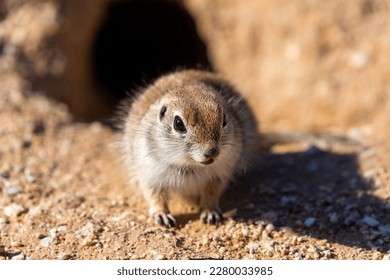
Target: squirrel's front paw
(211, 216)
(163, 219)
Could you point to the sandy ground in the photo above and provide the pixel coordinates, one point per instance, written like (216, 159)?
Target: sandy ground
(64, 196)
(64, 193)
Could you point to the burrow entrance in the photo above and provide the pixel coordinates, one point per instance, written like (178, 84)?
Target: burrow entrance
(140, 40)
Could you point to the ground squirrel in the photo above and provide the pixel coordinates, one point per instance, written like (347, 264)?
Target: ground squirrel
(189, 132)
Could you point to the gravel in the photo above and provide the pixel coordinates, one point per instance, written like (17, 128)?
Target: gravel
(19, 257)
(370, 221)
(253, 246)
(351, 218)
(309, 222)
(384, 230)
(334, 218)
(13, 210)
(12, 189)
(46, 242)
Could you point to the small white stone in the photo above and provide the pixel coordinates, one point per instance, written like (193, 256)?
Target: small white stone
(216, 236)
(253, 246)
(35, 211)
(309, 222)
(29, 178)
(12, 189)
(386, 257)
(359, 59)
(160, 257)
(270, 227)
(370, 221)
(45, 242)
(269, 246)
(13, 210)
(62, 228)
(370, 174)
(115, 219)
(18, 257)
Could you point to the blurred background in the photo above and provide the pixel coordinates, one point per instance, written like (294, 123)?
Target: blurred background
(307, 65)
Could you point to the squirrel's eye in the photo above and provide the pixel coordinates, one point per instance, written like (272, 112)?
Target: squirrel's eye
(178, 125)
(162, 111)
(224, 120)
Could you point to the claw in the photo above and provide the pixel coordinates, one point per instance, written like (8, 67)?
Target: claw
(164, 220)
(211, 217)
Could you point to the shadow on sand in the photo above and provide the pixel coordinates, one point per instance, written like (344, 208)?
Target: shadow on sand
(288, 189)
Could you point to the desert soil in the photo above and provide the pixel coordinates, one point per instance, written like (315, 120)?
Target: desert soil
(64, 193)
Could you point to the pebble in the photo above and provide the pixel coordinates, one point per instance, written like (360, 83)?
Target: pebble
(385, 230)
(311, 151)
(359, 59)
(370, 221)
(12, 189)
(309, 222)
(16, 244)
(18, 257)
(327, 253)
(88, 234)
(253, 246)
(88, 241)
(351, 219)
(216, 237)
(222, 250)
(294, 241)
(62, 228)
(13, 210)
(160, 257)
(370, 174)
(269, 246)
(29, 178)
(64, 256)
(35, 211)
(46, 242)
(297, 256)
(270, 228)
(386, 257)
(288, 199)
(2, 249)
(334, 218)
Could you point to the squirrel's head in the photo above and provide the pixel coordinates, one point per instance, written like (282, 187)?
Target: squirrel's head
(195, 123)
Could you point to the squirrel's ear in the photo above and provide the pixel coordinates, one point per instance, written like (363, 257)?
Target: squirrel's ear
(162, 111)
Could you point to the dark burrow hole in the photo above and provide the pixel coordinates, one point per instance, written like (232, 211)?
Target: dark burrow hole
(140, 40)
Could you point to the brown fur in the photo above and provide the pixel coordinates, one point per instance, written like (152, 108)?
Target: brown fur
(198, 162)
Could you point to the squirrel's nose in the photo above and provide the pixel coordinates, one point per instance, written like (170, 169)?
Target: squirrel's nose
(212, 152)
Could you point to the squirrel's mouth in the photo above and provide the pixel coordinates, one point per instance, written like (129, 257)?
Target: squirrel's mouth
(207, 162)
